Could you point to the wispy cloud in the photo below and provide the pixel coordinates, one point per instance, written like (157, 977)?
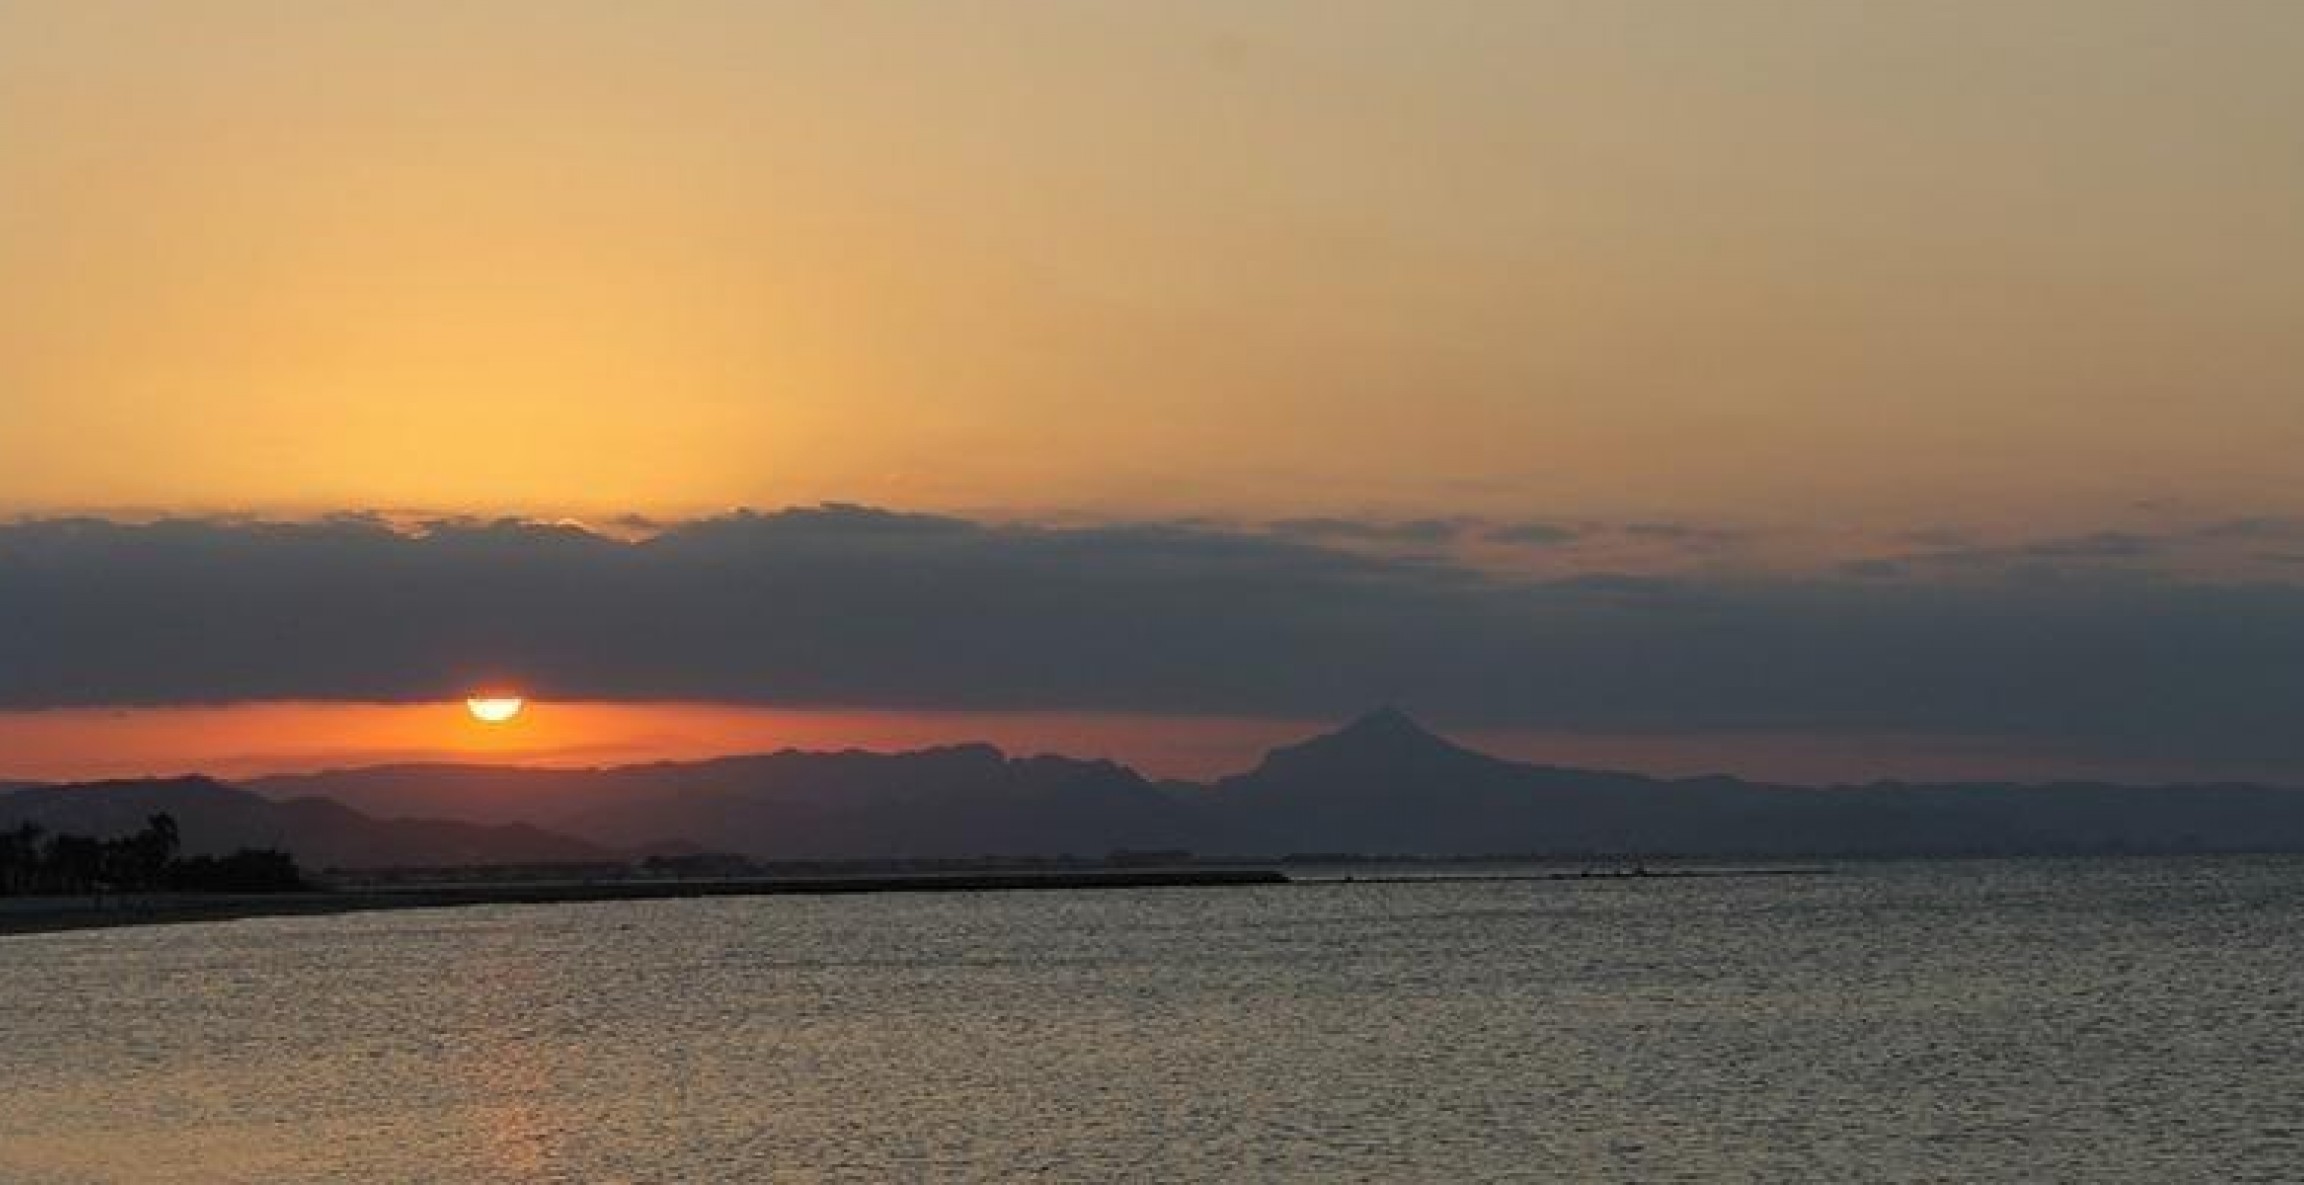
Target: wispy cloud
(2228, 548)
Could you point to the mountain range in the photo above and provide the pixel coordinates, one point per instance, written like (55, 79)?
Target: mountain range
(214, 819)
(1382, 785)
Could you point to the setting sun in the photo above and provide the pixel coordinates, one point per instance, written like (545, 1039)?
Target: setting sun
(494, 709)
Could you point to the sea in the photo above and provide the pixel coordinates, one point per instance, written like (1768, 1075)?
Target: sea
(1970, 1021)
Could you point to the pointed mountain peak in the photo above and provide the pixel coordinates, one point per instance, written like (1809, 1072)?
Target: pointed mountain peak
(1385, 737)
(1386, 722)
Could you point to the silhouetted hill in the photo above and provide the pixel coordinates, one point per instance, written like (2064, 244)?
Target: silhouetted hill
(216, 819)
(1380, 785)
(491, 794)
(958, 801)
(1385, 784)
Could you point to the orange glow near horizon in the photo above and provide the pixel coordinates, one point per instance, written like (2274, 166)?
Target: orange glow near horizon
(245, 740)
(240, 740)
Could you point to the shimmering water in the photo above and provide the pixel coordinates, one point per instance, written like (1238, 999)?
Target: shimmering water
(2107, 1021)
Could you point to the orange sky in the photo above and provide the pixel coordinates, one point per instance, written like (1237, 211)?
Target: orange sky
(1976, 261)
(274, 737)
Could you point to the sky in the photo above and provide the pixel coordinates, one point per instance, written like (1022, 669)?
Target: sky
(1815, 390)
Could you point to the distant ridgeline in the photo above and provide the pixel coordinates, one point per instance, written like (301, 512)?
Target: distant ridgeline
(33, 862)
(1382, 786)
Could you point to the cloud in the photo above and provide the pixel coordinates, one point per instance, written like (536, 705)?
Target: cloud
(2257, 529)
(1533, 533)
(2230, 547)
(1687, 534)
(1460, 534)
(1426, 535)
(864, 607)
(1420, 531)
(1875, 569)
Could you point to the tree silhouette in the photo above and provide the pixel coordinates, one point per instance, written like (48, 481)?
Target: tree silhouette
(31, 861)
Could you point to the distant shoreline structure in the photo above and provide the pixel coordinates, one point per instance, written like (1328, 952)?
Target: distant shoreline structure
(49, 915)
(56, 914)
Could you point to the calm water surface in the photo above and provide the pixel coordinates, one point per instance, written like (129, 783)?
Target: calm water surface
(2099, 1021)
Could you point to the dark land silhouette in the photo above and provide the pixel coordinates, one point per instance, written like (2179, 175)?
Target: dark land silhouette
(1382, 786)
(216, 819)
(34, 862)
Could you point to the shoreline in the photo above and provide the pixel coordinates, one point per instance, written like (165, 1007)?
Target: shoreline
(56, 915)
(1629, 874)
(52, 915)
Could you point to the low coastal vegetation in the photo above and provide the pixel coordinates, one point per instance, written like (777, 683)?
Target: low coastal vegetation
(34, 862)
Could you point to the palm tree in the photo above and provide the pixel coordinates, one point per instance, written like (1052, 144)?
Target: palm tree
(156, 848)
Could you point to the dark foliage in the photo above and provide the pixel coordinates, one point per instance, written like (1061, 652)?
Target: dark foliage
(34, 862)
(249, 870)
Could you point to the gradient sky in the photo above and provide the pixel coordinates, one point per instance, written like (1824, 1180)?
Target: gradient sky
(1979, 259)
(1532, 291)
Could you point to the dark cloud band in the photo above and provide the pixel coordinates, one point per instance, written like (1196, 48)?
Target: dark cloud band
(862, 607)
